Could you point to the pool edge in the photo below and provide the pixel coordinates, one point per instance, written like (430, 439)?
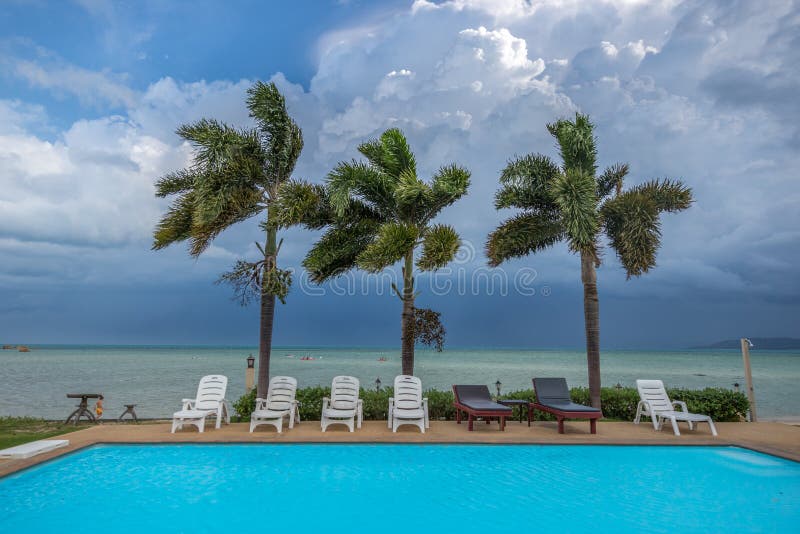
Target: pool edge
(774, 439)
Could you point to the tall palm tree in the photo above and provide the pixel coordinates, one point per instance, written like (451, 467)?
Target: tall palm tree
(375, 214)
(236, 174)
(573, 204)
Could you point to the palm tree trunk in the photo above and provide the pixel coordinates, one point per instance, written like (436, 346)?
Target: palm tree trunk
(267, 317)
(591, 317)
(407, 320)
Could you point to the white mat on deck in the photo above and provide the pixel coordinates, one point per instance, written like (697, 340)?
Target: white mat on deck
(26, 450)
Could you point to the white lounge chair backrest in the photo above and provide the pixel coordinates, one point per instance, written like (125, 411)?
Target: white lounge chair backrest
(281, 393)
(407, 392)
(344, 392)
(211, 392)
(655, 394)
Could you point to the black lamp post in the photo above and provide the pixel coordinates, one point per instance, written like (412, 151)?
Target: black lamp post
(378, 384)
(498, 385)
(251, 362)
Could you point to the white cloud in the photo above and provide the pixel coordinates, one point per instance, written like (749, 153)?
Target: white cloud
(90, 87)
(16, 115)
(474, 83)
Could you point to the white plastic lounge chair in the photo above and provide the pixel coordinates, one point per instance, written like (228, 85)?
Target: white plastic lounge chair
(280, 403)
(210, 400)
(656, 405)
(343, 406)
(408, 407)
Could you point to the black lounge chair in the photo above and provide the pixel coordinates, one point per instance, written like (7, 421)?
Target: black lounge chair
(476, 402)
(552, 396)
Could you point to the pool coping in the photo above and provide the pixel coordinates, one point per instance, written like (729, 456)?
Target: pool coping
(775, 439)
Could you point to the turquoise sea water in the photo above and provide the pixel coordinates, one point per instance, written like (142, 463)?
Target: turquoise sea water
(404, 488)
(156, 378)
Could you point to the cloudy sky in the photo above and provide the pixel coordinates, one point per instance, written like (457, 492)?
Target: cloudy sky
(91, 93)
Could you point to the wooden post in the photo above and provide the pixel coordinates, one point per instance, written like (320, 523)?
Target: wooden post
(748, 376)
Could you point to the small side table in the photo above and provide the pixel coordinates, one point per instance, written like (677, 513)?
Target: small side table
(129, 410)
(519, 403)
(83, 408)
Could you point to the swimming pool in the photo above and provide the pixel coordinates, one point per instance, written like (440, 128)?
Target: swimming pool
(403, 488)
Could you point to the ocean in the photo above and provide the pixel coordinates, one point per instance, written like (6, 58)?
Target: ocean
(156, 378)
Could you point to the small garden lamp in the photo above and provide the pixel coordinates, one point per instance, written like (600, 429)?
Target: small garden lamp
(250, 373)
(378, 384)
(498, 385)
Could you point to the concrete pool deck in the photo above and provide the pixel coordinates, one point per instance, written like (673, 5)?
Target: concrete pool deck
(772, 438)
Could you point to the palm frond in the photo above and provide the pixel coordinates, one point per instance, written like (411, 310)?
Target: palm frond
(521, 235)
(574, 192)
(176, 182)
(411, 195)
(300, 203)
(176, 224)
(393, 242)
(355, 178)
(525, 183)
(282, 138)
(611, 180)
(390, 155)
(215, 143)
(336, 251)
(227, 195)
(669, 195)
(448, 184)
(576, 143)
(633, 227)
(202, 234)
(439, 246)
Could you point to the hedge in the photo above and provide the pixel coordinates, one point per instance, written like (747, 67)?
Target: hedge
(618, 403)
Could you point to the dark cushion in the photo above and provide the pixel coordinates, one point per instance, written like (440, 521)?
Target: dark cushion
(554, 393)
(478, 398)
(570, 407)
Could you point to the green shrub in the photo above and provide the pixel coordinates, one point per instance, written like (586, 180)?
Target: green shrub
(618, 404)
(440, 405)
(721, 404)
(245, 405)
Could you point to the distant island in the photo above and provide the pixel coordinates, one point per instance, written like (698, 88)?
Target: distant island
(769, 343)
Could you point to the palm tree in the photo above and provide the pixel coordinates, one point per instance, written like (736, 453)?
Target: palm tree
(375, 214)
(571, 203)
(236, 174)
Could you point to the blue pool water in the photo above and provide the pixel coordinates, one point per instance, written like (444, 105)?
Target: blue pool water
(404, 488)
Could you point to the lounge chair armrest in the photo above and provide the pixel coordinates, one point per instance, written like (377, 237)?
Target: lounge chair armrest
(188, 404)
(643, 404)
(682, 405)
(326, 402)
(261, 404)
